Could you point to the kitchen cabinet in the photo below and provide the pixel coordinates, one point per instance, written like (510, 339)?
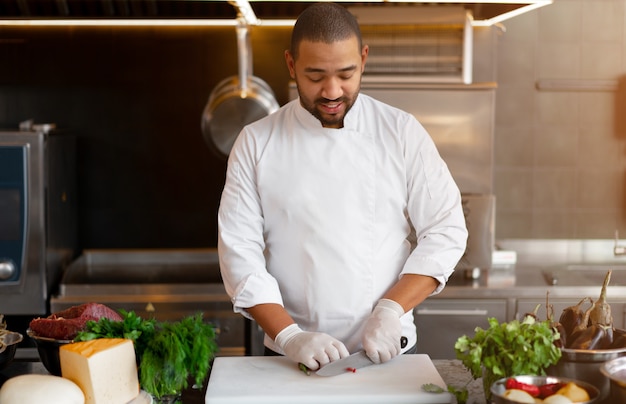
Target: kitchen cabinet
(440, 322)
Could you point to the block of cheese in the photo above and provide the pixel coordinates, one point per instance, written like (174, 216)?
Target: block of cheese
(105, 369)
(24, 389)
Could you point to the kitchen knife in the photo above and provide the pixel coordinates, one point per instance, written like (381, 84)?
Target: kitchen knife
(351, 363)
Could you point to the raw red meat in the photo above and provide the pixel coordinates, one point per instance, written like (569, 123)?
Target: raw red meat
(67, 323)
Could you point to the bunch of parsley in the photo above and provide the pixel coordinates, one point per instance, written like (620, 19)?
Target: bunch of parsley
(131, 327)
(507, 349)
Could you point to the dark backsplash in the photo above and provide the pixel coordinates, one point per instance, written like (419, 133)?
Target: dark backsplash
(134, 98)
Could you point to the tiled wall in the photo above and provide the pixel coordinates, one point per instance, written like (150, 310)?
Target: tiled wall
(560, 154)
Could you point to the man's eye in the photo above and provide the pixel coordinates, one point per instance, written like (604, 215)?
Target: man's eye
(315, 79)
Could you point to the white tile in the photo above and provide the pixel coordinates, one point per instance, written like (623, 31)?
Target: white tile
(553, 224)
(514, 189)
(603, 20)
(601, 60)
(558, 60)
(599, 146)
(561, 21)
(597, 107)
(514, 146)
(515, 106)
(516, 63)
(557, 108)
(556, 146)
(601, 189)
(555, 189)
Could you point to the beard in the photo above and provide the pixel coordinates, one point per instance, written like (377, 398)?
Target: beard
(328, 120)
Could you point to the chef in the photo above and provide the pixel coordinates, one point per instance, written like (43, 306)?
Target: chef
(338, 216)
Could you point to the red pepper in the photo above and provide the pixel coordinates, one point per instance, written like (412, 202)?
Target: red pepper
(531, 389)
(549, 389)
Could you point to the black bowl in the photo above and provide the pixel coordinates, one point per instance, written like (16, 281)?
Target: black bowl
(48, 349)
(10, 340)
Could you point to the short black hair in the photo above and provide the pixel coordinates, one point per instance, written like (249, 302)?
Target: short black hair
(324, 22)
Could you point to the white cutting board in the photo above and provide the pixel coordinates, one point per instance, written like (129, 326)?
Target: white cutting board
(276, 379)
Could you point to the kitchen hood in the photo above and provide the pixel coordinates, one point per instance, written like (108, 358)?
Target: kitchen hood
(216, 12)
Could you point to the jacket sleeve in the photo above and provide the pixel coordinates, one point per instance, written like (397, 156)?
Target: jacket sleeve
(434, 209)
(240, 233)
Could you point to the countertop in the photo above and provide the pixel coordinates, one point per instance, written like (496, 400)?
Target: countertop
(577, 265)
(452, 372)
(564, 267)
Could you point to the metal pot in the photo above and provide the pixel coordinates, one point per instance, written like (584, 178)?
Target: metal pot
(236, 101)
(585, 365)
(615, 371)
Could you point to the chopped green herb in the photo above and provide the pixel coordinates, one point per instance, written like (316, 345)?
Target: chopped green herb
(461, 394)
(432, 388)
(304, 368)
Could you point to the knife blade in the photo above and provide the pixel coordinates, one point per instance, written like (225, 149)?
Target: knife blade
(350, 364)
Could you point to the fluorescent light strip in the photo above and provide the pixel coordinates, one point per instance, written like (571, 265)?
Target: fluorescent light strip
(510, 14)
(545, 2)
(251, 17)
(143, 22)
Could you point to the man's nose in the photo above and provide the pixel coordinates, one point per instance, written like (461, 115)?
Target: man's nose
(332, 89)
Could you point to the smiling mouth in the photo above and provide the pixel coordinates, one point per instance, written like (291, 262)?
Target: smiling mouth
(331, 107)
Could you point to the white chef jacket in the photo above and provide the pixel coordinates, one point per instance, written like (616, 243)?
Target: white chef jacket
(320, 220)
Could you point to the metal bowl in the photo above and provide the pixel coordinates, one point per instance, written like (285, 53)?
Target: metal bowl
(9, 340)
(584, 365)
(498, 388)
(615, 371)
(48, 349)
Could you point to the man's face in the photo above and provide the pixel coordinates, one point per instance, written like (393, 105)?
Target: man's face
(328, 77)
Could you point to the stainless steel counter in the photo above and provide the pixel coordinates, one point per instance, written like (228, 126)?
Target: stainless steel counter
(562, 268)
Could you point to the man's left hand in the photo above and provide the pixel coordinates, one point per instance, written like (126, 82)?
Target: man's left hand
(383, 330)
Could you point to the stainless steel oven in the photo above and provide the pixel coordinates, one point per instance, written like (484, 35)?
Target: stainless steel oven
(37, 217)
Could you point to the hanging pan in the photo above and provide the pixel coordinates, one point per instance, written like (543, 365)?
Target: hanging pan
(236, 101)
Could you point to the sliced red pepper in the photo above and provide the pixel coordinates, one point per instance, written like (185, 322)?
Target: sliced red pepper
(531, 389)
(549, 389)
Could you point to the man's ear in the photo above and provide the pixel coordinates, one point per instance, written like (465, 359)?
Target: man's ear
(364, 52)
(290, 64)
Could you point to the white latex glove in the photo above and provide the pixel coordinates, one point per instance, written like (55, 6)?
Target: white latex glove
(383, 330)
(313, 349)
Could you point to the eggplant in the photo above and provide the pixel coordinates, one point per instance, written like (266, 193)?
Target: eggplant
(573, 318)
(596, 336)
(556, 326)
(619, 338)
(600, 310)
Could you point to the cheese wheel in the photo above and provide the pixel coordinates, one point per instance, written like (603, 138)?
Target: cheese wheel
(40, 389)
(105, 369)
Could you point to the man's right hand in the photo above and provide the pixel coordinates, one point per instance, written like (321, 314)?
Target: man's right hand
(313, 349)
